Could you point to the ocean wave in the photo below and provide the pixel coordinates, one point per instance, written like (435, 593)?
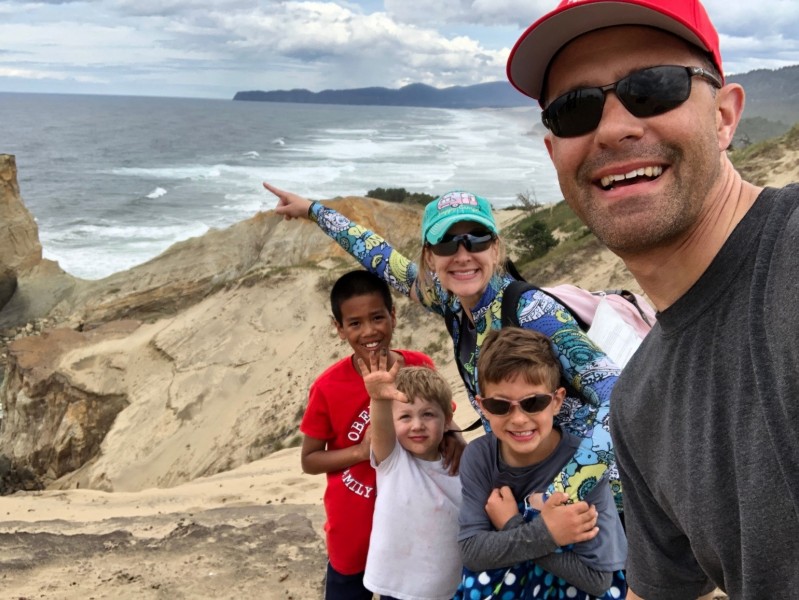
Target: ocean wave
(116, 205)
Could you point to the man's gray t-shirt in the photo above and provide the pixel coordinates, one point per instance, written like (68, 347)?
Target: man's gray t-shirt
(705, 423)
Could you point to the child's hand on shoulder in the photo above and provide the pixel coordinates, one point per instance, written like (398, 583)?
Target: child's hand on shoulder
(501, 507)
(569, 523)
(378, 380)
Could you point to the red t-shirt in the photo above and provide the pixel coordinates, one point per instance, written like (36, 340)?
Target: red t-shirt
(338, 412)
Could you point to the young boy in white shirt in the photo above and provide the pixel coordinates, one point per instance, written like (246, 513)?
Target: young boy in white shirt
(413, 551)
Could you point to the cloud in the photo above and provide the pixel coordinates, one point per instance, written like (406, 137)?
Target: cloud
(217, 47)
(519, 13)
(742, 26)
(45, 75)
(349, 48)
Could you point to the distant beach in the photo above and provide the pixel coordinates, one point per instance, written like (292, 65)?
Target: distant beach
(113, 181)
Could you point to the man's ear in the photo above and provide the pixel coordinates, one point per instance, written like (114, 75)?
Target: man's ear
(730, 101)
(548, 144)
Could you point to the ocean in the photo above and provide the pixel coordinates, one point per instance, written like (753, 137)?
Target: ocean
(113, 181)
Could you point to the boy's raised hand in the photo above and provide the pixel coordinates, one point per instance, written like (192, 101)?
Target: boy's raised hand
(379, 382)
(290, 205)
(569, 523)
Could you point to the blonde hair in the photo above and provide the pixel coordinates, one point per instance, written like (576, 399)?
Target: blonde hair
(428, 384)
(425, 280)
(513, 351)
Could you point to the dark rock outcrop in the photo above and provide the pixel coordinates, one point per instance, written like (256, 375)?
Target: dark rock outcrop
(8, 284)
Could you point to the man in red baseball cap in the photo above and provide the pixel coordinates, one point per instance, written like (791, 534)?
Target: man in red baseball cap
(705, 417)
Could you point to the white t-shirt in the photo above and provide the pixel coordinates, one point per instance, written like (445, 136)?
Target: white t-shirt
(413, 551)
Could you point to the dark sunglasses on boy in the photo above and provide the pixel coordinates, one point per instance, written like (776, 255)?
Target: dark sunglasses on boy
(645, 93)
(473, 242)
(531, 404)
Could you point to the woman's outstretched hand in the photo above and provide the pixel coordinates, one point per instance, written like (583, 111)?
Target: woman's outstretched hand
(290, 205)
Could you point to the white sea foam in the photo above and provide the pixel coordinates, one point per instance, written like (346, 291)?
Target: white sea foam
(93, 222)
(157, 193)
(351, 132)
(95, 251)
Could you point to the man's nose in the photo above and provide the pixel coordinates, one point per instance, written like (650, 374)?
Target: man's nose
(617, 123)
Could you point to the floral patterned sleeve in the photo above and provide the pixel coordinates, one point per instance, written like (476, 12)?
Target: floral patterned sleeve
(367, 247)
(590, 372)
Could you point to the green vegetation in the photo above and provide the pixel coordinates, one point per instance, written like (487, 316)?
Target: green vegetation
(792, 137)
(533, 237)
(399, 195)
(559, 217)
(760, 162)
(757, 129)
(768, 149)
(558, 222)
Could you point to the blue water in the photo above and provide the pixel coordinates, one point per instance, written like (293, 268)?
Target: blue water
(113, 181)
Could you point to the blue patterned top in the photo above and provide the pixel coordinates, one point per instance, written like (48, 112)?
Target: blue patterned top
(587, 369)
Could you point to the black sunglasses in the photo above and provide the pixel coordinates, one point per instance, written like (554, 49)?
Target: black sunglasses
(644, 93)
(472, 242)
(531, 404)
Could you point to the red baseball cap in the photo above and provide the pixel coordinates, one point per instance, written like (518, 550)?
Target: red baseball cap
(535, 49)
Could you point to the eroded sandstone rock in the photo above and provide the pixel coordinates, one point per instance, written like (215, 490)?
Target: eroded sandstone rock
(20, 249)
(51, 424)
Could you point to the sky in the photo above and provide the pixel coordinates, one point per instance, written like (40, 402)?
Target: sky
(214, 48)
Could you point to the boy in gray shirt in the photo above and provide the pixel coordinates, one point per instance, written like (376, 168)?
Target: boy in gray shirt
(515, 538)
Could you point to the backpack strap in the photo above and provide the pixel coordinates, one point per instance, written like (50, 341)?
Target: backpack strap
(450, 319)
(633, 299)
(511, 270)
(478, 423)
(510, 302)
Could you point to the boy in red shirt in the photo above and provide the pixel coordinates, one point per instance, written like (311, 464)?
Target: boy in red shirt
(336, 438)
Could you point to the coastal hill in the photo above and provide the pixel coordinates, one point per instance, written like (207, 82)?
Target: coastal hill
(771, 93)
(772, 99)
(148, 441)
(496, 94)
